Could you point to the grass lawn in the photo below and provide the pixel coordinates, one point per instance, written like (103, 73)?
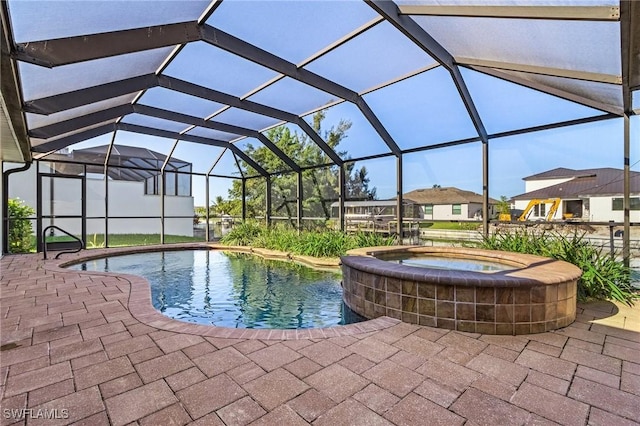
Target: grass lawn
(450, 226)
(122, 240)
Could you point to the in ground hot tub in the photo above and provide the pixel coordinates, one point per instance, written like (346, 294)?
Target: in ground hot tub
(473, 290)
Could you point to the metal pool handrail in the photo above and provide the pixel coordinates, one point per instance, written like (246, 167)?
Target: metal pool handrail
(44, 241)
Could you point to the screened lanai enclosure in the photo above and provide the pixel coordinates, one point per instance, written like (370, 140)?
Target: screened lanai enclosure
(135, 117)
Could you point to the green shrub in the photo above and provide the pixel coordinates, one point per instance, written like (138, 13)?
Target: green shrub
(324, 244)
(371, 239)
(603, 277)
(242, 234)
(20, 227)
(278, 237)
(327, 243)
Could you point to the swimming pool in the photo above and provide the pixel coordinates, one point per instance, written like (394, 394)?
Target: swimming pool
(234, 289)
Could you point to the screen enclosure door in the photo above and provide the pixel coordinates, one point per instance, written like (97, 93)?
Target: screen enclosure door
(61, 202)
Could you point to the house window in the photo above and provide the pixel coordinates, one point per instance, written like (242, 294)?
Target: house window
(170, 183)
(428, 209)
(184, 184)
(456, 209)
(539, 210)
(150, 186)
(617, 203)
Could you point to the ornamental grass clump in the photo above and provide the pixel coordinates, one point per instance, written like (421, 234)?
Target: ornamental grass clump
(242, 234)
(327, 243)
(324, 244)
(603, 277)
(371, 239)
(277, 238)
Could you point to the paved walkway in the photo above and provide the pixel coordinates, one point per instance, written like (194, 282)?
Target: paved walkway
(72, 350)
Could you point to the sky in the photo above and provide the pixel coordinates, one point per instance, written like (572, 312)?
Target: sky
(510, 159)
(419, 111)
(430, 120)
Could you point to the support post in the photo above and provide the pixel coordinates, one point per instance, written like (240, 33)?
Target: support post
(300, 196)
(206, 208)
(162, 180)
(84, 205)
(612, 247)
(341, 195)
(164, 183)
(399, 198)
(244, 199)
(39, 227)
(626, 237)
(267, 212)
(106, 205)
(106, 189)
(485, 188)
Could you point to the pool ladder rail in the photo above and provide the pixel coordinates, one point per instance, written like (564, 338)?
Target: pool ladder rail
(60, 245)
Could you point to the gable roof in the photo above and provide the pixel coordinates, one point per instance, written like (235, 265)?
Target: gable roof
(447, 195)
(560, 172)
(583, 183)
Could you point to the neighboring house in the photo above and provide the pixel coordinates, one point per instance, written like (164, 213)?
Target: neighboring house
(134, 194)
(589, 194)
(379, 211)
(429, 204)
(449, 203)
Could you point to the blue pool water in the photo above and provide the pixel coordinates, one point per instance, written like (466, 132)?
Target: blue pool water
(440, 262)
(234, 289)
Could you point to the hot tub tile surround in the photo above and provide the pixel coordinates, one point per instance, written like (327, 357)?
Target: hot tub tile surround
(539, 295)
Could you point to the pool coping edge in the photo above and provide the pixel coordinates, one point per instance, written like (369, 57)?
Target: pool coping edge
(140, 306)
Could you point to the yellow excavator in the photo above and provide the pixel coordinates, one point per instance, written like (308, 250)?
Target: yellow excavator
(555, 203)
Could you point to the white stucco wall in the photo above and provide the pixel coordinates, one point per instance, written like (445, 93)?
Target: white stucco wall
(533, 185)
(601, 211)
(522, 204)
(445, 212)
(125, 199)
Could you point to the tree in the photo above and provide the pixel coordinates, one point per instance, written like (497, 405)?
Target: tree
(358, 185)
(320, 185)
(20, 226)
(220, 206)
(503, 205)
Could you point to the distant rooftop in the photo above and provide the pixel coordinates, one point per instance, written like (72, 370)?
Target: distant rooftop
(582, 183)
(447, 195)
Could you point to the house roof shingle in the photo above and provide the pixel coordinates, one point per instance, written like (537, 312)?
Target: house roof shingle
(447, 195)
(583, 183)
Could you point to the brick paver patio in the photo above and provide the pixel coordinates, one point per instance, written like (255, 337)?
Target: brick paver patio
(87, 349)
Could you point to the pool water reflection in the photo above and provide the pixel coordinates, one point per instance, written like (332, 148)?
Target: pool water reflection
(235, 289)
(442, 262)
